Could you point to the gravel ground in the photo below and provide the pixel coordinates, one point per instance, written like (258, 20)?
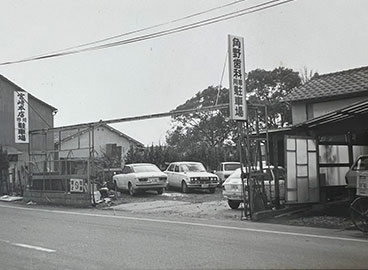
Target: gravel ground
(202, 204)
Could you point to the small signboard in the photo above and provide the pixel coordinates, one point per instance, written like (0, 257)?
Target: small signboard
(238, 106)
(362, 184)
(76, 185)
(21, 117)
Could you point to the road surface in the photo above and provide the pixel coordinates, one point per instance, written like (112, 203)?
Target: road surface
(36, 237)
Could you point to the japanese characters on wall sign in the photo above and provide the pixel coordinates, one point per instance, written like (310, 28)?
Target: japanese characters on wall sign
(21, 117)
(238, 106)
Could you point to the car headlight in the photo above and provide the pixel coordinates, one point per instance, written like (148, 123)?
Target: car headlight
(194, 179)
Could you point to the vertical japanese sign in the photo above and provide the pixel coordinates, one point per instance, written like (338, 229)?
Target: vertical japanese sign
(21, 117)
(238, 106)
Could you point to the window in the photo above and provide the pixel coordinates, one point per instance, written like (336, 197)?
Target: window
(231, 167)
(126, 170)
(176, 168)
(171, 168)
(361, 164)
(146, 168)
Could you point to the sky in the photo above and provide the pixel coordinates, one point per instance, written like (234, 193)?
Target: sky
(157, 75)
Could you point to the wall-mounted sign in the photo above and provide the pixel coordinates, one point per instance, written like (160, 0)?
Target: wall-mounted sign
(76, 185)
(238, 106)
(21, 117)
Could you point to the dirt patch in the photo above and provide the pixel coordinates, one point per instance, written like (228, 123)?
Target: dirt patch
(202, 204)
(335, 215)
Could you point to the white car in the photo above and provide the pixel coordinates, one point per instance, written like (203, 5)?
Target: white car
(190, 175)
(140, 177)
(225, 169)
(232, 187)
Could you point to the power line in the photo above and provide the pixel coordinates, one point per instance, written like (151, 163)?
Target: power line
(143, 29)
(249, 10)
(133, 118)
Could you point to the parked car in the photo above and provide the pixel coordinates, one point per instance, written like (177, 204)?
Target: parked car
(225, 169)
(140, 177)
(190, 175)
(232, 187)
(359, 166)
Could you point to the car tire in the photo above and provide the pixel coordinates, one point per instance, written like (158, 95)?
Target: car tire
(233, 204)
(184, 187)
(132, 191)
(160, 191)
(212, 190)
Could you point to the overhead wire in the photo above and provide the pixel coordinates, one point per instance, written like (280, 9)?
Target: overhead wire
(231, 15)
(222, 77)
(145, 28)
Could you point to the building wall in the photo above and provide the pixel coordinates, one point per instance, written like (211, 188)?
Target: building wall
(102, 136)
(298, 112)
(303, 111)
(7, 122)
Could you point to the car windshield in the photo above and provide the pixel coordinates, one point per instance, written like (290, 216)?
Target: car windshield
(231, 167)
(267, 175)
(362, 164)
(236, 174)
(145, 168)
(192, 167)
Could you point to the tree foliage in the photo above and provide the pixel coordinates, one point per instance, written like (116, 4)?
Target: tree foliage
(209, 136)
(269, 88)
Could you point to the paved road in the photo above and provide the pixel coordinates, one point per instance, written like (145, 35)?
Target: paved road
(34, 237)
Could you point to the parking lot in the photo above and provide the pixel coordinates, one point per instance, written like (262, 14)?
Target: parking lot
(197, 203)
(202, 204)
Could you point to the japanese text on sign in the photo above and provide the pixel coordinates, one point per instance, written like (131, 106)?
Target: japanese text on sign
(21, 117)
(238, 106)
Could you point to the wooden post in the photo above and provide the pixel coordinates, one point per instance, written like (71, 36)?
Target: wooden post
(240, 132)
(276, 165)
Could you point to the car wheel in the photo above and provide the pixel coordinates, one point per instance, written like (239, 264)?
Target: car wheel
(233, 204)
(184, 187)
(212, 190)
(131, 190)
(160, 191)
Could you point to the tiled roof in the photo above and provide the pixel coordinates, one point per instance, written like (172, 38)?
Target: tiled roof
(349, 82)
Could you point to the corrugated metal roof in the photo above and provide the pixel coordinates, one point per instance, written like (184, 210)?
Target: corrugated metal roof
(354, 110)
(351, 82)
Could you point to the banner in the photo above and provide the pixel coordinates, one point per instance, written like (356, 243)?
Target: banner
(238, 106)
(21, 117)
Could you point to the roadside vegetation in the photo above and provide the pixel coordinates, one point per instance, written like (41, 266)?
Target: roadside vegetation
(210, 137)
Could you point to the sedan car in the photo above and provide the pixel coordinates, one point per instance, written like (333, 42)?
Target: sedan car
(232, 187)
(359, 166)
(225, 169)
(140, 177)
(190, 175)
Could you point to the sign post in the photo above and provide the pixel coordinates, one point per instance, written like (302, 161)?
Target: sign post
(237, 98)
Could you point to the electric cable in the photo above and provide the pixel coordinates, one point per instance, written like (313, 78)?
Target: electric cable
(191, 26)
(222, 77)
(143, 29)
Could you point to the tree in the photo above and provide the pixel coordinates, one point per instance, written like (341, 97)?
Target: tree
(306, 75)
(270, 88)
(210, 137)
